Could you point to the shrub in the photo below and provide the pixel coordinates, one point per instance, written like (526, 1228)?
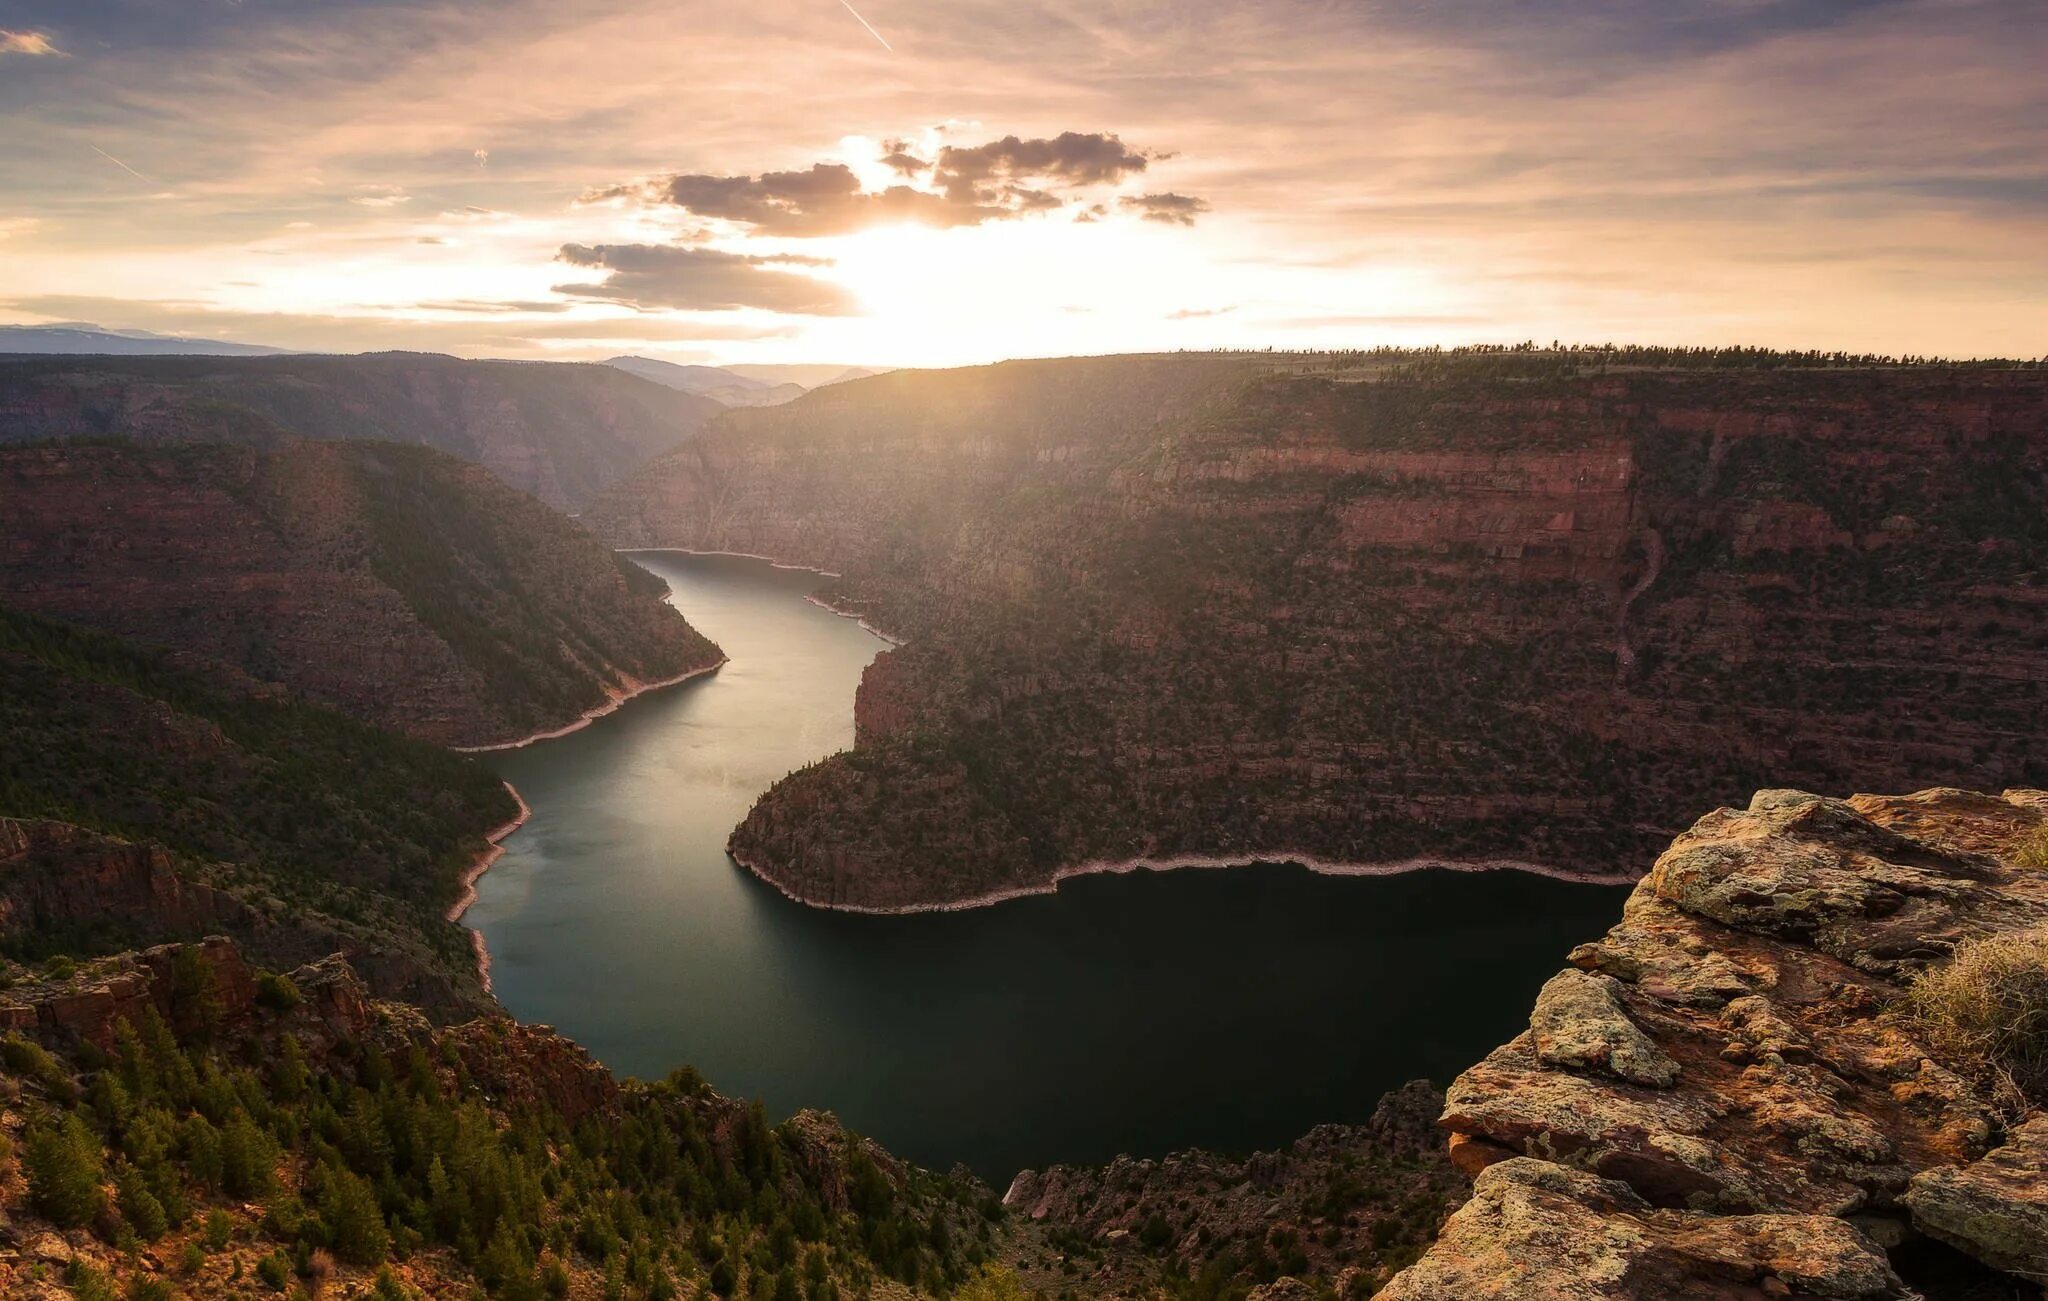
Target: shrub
(30, 1060)
(89, 1284)
(2033, 851)
(992, 1284)
(1986, 1013)
(275, 1270)
(277, 992)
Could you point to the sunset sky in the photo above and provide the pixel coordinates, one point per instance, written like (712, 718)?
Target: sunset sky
(929, 182)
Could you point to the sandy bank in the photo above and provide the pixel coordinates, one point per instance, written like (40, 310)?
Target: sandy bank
(813, 598)
(1101, 867)
(614, 697)
(475, 873)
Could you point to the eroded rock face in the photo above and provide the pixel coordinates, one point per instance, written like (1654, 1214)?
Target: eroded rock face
(397, 585)
(1995, 1209)
(1537, 1229)
(1161, 607)
(1733, 1054)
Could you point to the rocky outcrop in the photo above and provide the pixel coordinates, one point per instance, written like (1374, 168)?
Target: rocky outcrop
(65, 889)
(1726, 1093)
(395, 584)
(560, 432)
(205, 986)
(1534, 1229)
(1342, 1206)
(1158, 608)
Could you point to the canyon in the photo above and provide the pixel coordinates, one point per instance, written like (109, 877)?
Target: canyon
(1159, 609)
(559, 431)
(1169, 607)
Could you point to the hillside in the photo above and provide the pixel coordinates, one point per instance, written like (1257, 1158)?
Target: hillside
(395, 584)
(185, 1124)
(143, 802)
(1164, 607)
(559, 431)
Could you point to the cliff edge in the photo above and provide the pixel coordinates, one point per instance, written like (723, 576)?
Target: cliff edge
(1731, 1094)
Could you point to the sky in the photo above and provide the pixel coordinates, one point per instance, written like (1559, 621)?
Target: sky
(942, 182)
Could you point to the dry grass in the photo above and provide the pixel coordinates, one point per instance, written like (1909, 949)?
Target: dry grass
(1986, 1013)
(2033, 851)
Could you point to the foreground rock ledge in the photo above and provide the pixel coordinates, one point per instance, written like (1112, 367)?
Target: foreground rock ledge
(1720, 1098)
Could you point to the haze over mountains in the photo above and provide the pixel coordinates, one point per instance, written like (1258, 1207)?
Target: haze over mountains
(81, 338)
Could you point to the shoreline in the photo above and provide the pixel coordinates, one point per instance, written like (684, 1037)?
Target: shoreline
(858, 618)
(737, 555)
(812, 597)
(614, 698)
(495, 849)
(1181, 862)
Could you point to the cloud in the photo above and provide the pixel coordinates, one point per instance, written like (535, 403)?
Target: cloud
(1071, 158)
(900, 156)
(1197, 313)
(1172, 209)
(705, 280)
(827, 199)
(31, 43)
(382, 196)
(961, 186)
(476, 305)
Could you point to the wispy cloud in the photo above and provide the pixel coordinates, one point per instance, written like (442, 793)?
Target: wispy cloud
(32, 43)
(704, 280)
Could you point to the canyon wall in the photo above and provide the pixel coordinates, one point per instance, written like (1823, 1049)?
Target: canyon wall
(560, 432)
(1165, 607)
(396, 584)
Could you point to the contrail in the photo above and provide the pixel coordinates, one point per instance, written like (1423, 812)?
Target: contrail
(118, 163)
(870, 26)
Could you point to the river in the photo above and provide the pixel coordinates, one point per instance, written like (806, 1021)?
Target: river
(1143, 1013)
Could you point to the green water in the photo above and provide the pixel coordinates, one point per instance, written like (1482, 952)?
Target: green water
(1142, 1014)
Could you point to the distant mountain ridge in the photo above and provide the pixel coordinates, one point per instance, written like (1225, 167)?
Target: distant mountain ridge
(84, 339)
(742, 386)
(561, 431)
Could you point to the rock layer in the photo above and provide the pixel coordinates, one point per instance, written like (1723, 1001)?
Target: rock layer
(1725, 1091)
(1159, 608)
(395, 584)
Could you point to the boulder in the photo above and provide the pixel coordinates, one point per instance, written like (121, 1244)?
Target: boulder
(1537, 1231)
(1995, 1209)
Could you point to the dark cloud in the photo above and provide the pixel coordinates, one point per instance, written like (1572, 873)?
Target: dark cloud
(1070, 158)
(825, 200)
(1172, 209)
(962, 186)
(898, 156)
(702, 279)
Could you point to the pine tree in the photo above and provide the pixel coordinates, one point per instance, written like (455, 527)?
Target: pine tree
(64, 1173)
